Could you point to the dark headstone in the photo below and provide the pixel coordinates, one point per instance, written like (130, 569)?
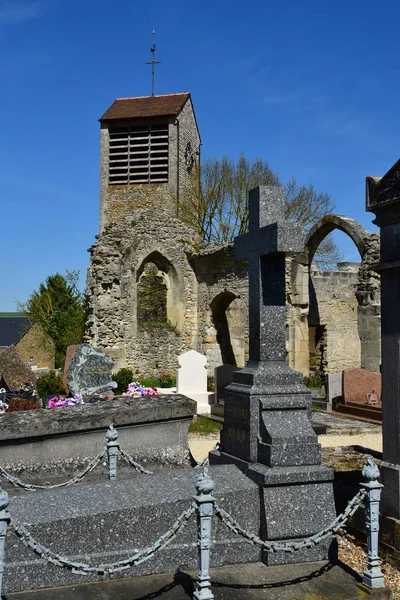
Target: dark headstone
(90, 372)
(223, 377)
(267, 428)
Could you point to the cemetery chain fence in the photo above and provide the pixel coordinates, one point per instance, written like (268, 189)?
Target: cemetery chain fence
(204, 505)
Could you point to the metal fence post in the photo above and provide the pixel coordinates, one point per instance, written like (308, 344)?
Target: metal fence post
(112, 452)
(373, 576)
(4, 521)
(205, 505)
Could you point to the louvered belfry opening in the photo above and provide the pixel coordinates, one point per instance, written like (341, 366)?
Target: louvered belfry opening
(138, 154)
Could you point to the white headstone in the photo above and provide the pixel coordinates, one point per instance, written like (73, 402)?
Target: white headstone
(335, 386)
(191, 379)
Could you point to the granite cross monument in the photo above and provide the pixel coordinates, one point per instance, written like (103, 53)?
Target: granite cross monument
(267, 430)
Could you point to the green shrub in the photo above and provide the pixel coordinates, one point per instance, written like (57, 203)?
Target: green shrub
(123, 377)
(211, 383)
(51, 383)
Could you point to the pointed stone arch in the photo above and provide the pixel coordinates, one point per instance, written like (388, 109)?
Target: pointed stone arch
(169, 274)
(368, 310)
(329, 223)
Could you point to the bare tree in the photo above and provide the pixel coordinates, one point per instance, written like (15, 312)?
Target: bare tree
(216, 201)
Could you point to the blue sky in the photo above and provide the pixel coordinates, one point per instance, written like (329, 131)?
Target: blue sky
(310, 86)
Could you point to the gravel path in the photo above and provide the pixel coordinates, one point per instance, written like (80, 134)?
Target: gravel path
(354, 555)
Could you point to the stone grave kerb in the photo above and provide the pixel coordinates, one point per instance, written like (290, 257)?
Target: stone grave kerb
(383, 199)
(267, 430)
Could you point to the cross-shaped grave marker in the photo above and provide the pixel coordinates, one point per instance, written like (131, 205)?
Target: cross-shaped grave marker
(267, 432)
(265, 246)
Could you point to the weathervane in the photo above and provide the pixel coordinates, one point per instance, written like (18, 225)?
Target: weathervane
(152, 63)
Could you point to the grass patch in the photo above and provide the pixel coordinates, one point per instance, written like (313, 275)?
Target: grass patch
(204, 426)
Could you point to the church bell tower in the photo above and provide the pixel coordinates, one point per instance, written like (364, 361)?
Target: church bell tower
(149, 147)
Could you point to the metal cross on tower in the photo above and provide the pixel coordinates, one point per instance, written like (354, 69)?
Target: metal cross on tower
(152, 63)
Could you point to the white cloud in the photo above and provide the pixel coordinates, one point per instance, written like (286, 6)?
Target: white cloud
(17, 11)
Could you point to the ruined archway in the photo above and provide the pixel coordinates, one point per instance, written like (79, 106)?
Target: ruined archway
(329, 223)
(164, 276)
(305, 319)
(228, 319)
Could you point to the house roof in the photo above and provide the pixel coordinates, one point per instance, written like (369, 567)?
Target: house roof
(146, 106)
(12, 329)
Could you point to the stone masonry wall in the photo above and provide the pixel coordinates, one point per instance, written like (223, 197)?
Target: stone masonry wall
(117, 260)
(369, 305)
(36, 344)
(336, 308)
(222, 286)
(188, 134)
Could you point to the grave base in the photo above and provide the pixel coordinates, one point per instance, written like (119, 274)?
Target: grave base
(104, 523)
(154, 429)
(233, 582)
(359, 411)
(296, 502)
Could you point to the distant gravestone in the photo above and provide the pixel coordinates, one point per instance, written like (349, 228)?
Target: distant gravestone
(192, 374)
(335, 386)
(361, 387)
(223, 377)
(191, 380)
(89, 372)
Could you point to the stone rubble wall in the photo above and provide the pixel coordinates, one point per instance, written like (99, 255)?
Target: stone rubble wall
(117, 260)
(369, 305)
(346, 304)
(336, 309)
(188, 133)
(221, 282)
(36, 344)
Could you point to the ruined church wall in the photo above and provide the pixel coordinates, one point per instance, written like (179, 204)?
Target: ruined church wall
(222, 283)
(116, 260)
(335, 307)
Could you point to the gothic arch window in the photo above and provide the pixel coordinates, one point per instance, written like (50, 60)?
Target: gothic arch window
(160, 292)
(152, 295)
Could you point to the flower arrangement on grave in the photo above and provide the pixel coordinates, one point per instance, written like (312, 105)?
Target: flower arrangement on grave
(136, 390)
(57, 401)
(166, 380)
(26, 388)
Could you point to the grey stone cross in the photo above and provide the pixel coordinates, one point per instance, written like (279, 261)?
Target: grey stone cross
(265, 246)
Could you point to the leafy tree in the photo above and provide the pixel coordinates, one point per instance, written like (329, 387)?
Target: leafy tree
(216, 201)
(59, 307)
